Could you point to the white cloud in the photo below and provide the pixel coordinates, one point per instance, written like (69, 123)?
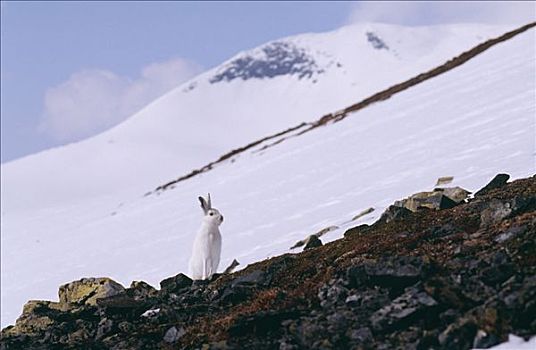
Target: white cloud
(437, 12)
(93, 100)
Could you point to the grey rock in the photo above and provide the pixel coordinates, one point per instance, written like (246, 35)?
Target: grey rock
(175, 283)
(361, 335)
(457, 194)
(394, 212)
(494, 213)
(403, 309)
(510, 233)
(104, 327)
(173, 334)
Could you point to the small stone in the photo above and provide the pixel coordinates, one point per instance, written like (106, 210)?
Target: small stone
(173, 334)
(231, 267)
(352, 300)
(363, 213)
(444, 180)
(326, 230)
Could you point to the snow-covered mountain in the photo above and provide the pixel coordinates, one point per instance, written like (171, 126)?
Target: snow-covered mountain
(79, 210)
(255, 93)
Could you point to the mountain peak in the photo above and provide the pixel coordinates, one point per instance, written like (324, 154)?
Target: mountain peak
(271, 60)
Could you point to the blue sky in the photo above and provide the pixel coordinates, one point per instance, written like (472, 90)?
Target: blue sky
(64, 63)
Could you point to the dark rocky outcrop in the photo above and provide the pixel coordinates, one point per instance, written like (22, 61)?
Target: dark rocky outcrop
(432, 279)
(497, 182)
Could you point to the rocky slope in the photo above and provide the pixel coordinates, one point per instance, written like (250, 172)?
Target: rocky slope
(424, 278)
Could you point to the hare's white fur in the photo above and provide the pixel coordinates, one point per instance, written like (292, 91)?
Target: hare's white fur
(207, 244)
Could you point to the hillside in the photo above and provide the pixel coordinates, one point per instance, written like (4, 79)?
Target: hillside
(80, 211)
(431, 279)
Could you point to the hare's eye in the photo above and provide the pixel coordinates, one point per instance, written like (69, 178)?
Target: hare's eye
(211, 214)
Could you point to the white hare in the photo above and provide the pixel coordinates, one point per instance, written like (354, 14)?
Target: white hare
(207, 244)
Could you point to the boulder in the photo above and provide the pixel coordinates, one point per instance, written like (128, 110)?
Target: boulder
(438, 199)
(393, 213)
(430, 200)
(498, 181)
(141, 290)
(313, 242)
(87, 290)
(175, 283)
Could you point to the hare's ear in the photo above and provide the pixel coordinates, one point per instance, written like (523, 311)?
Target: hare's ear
(204, 204)
(209, 202)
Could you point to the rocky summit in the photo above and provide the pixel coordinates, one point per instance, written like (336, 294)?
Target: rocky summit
(453, 276)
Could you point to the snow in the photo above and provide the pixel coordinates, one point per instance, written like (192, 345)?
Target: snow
(79, 211)
(186, 129)
(516, 343)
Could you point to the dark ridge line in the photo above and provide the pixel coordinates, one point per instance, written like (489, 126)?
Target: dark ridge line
(387, 93)
(222, 158)
(377, 97)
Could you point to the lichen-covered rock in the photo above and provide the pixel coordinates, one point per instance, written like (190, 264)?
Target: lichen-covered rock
(87, 290)
(35, 317)
(436, 200)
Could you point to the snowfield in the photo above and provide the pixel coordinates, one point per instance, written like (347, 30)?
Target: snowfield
(79, 210)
